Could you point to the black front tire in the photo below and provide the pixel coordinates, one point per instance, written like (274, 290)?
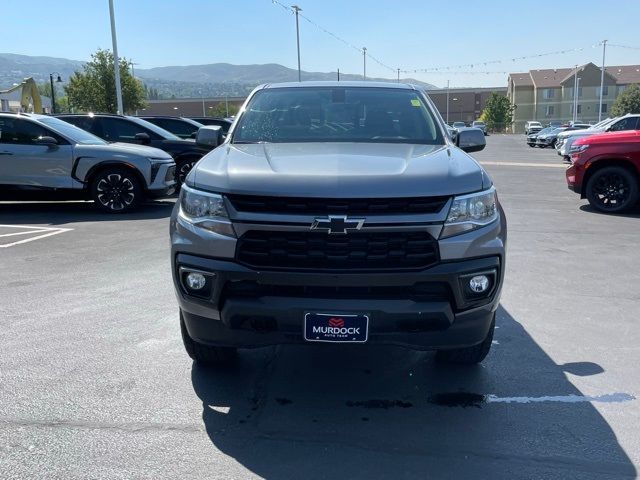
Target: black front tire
(206, 354)
(183, 167)
(612, 190)
(116, 190)
(469, 355)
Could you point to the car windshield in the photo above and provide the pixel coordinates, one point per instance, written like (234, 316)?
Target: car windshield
(545, 130)
(167, 135)
(338, 114)
(72, 132)
(478, 123)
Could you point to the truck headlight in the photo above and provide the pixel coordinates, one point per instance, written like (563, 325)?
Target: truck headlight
(470, 212)
(205, 210)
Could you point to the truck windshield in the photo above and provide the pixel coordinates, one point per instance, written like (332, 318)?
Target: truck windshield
(338, 114)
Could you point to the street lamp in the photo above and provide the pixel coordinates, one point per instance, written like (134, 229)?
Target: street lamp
(53, 93)
(364, 63)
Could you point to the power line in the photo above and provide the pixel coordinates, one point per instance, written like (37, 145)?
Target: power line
(622, 46)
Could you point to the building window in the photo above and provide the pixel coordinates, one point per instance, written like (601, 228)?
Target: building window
(605, 91)
(604, 108)
(579, 92)
(571, 109)
(579, 109)
(548, 93)
(548, 111)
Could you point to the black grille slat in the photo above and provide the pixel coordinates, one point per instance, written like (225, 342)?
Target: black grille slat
(422, 291)
(355, 250)
(344, 206)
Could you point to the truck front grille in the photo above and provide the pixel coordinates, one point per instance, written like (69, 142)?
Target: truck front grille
(353, 251)
(343, 206)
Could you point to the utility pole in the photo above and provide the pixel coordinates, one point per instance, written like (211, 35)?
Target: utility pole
(338, 74)
(575, 93)
(226, 103)
(297, 9)
(447, 120)
(116, 62)
(204, 112)
(604, 49)
(364, 59)
(398, 75)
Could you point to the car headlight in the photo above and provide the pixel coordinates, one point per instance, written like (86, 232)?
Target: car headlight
(578, 148)
(205, 210)
(470, 212)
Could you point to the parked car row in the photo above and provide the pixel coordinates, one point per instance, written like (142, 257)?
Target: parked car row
(547, 137)
(475, 124)
(115, 160)
(534, 126)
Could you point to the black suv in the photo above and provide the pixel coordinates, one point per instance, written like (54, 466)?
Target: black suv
(127, 129)
(182, 127)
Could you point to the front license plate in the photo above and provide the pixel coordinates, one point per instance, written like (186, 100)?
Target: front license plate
(327, 327)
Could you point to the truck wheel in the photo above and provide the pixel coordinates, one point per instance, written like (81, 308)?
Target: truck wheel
(469, 355)
(612, 190)
(116, 190)
(206, 354)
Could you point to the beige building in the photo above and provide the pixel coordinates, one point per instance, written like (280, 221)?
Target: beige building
(547, 95)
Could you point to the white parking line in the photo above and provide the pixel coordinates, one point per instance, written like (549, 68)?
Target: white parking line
(607, 398)
(526, 164)
(26, 230)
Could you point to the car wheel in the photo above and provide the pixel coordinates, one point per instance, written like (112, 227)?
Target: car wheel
(183, 168)
(469, 355)
(531, 145)
(612, 190)
(206, 354)
(116, 190)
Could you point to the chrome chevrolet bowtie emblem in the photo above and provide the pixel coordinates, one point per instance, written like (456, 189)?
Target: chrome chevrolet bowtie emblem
(337, 224)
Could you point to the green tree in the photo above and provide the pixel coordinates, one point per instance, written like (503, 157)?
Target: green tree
(220, 110)
(627, 102)
(498, 112)
(94, 89)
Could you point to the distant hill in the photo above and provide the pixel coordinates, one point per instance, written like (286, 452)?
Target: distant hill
(214, 79)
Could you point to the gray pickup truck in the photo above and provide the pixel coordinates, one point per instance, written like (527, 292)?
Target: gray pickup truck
(42, 155)
(339, 212)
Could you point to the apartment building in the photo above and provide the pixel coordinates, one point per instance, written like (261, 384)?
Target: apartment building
(546, 95)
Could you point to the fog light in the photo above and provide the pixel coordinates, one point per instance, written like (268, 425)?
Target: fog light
(479, 283)
(196, 281)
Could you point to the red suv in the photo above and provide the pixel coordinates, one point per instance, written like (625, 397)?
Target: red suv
(606, 170)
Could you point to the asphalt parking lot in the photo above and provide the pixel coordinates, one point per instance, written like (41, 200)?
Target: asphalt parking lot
(94, 381)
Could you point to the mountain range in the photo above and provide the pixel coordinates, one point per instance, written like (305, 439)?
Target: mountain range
(216, 79)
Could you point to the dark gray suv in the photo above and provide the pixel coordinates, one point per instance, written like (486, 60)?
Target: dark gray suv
(339, 213)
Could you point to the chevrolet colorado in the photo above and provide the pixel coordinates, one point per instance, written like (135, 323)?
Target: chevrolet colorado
(339, 212)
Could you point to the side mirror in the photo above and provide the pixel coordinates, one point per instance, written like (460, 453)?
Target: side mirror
(209, 136)
(471, 140)
(46, 141)
(142, 138)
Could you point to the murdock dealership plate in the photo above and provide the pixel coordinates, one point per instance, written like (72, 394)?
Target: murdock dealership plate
(336, 328)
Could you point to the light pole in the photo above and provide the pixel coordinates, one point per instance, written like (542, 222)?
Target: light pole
(116, 62)
(53, 92)
(226, 104)
(575, 93)
(338, 74)
(204, 112)
(297, 9)
(455, 100)
(364, 59)
(604, 49)
(398, 75)
(575, 111)
(447, 102)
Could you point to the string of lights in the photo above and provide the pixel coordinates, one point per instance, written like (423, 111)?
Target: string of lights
(461, 69)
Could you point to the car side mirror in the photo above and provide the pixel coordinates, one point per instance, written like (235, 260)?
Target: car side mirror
(209, 136)
(142, 138)
(46, 141)
(471, 140)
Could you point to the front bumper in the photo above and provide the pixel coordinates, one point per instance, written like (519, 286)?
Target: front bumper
(163, 180)
(445, 320)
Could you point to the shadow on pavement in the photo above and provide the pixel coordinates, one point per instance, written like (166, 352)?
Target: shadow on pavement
(633, 213)
(61, 213)
(387, 412)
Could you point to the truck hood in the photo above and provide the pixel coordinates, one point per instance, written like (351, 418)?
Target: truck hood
(119, 151)
(339, 170)
(577, 133)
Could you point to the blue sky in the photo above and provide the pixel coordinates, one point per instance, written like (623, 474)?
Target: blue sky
(408, 34)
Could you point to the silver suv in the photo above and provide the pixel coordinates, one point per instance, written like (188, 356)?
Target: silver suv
(339, 213)
(39, 154)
